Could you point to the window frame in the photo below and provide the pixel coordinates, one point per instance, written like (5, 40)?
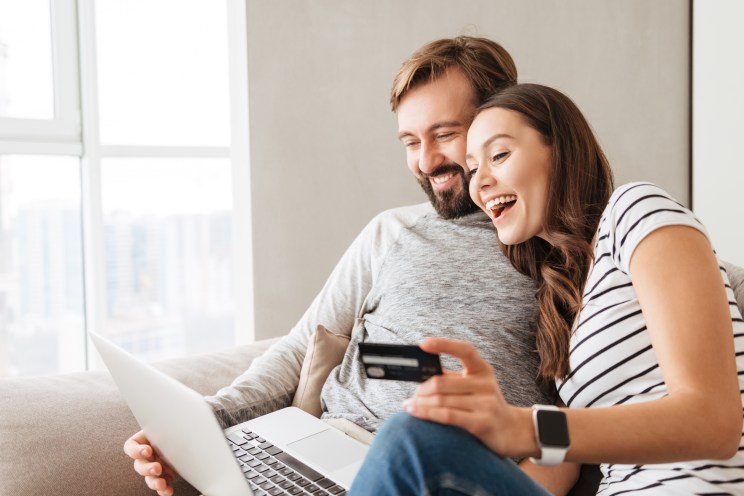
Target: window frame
(18, 135)
(75, 132)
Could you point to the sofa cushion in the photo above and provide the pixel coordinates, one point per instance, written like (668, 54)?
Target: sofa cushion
(64, 434)
(324, 351)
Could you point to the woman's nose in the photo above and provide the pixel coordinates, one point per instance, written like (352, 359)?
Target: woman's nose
(481, 179)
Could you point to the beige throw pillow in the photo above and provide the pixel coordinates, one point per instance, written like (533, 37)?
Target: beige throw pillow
(324, 351)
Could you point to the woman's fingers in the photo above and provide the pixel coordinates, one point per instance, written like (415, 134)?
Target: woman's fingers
(471, 360)
(467, 401)
(457, 384)
(478, 422)
(442, 415)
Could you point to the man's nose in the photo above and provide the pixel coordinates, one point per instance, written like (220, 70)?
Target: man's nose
(430, 158)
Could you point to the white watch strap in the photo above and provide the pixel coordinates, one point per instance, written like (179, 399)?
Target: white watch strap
(549, 456)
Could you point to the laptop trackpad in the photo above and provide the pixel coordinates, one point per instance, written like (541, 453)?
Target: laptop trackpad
(329, 450)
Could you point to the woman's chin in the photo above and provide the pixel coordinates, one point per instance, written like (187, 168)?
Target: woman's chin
(508, 239)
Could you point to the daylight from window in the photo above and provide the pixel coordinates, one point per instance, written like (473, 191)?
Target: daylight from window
(166, 220)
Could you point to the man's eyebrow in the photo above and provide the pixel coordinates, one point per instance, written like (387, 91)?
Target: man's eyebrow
(434, 127)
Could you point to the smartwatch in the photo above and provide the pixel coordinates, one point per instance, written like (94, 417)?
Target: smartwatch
(551, 430)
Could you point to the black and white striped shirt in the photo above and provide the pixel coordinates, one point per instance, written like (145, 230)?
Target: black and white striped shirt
(612, 360)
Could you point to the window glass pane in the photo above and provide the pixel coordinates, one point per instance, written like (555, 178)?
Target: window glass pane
(26, 81)
(163, 72)
(168, 254)
(41, 275)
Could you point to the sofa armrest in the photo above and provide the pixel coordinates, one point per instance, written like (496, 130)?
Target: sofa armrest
(64, 434)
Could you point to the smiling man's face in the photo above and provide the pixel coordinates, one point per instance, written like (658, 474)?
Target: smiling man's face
(433, 120)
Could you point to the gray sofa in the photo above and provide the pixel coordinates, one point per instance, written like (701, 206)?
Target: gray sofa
(62, 435)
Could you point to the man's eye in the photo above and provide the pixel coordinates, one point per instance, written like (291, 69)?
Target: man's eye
(410, 144)
(444, 136)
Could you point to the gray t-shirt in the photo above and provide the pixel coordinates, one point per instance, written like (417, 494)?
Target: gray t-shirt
(410, 274)
(443, 278)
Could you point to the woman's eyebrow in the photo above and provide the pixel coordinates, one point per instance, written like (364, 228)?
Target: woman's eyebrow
(495, 137)
(488, 142)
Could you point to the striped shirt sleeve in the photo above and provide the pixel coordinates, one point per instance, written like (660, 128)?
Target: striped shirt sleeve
(635, 211)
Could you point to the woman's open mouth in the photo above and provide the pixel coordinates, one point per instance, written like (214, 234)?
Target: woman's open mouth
(497, 206)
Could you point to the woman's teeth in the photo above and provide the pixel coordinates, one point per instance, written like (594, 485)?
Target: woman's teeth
(500, 201)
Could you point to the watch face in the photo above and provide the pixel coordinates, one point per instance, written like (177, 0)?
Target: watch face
(552, 428)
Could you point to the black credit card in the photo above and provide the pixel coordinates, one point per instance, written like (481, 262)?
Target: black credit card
(398, 362)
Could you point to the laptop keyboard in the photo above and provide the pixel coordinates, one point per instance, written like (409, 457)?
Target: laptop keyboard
(271, 471)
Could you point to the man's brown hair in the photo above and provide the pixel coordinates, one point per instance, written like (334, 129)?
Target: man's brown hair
(485, 63)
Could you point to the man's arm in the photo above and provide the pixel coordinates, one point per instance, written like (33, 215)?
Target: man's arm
(271, 381)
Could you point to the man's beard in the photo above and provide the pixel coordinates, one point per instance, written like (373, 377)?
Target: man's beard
(449, 204)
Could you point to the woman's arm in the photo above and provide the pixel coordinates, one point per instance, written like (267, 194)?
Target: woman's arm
(557, 480)
(679, 287)
(678, 282)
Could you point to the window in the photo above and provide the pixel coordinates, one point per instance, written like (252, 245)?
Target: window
(41, 270)
(116, 208)
(168, 264)
(26, 61)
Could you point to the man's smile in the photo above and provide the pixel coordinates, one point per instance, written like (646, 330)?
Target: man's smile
(442, 181)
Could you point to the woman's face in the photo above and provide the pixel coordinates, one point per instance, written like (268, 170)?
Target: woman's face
(513, 173)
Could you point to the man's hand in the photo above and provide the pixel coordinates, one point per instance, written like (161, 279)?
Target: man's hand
(158, 475)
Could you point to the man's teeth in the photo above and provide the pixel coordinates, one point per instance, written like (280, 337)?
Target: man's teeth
(500, 201)
(442, 179)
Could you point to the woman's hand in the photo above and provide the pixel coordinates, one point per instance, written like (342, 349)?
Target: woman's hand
(472, 400)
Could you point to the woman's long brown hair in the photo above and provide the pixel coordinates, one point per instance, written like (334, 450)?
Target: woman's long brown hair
(580, 186)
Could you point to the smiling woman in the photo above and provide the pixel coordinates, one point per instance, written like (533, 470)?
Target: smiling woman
(510, 169)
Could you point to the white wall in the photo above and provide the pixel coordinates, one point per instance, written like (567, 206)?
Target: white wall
(324, 156)
(718, 123)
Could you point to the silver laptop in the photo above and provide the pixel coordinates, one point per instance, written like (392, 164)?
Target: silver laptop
(285, 452)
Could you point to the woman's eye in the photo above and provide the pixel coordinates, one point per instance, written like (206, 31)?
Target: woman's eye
(499, 156)
(472, 172)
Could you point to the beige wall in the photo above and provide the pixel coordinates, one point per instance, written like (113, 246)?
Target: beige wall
(718, 124)
(324, 156)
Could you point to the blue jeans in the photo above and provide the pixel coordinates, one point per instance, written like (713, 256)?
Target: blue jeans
(415, 457)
